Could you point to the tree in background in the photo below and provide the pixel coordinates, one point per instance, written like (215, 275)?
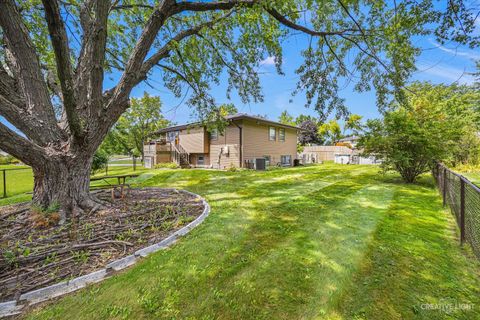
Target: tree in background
(100, 160)
(141, 121)
(309, 134)
(286, 118)
(433, 124)
(330, 131)
(56, 55)
(302, 118)
(353, 123)
(216, 118)
(309, 124)
(136, 126)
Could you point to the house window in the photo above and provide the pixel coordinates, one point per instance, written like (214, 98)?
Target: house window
(268, 159)
(281, 134)
(272, 133)
(286, 160)
(171, 135)
(201, 160)
(214, 134)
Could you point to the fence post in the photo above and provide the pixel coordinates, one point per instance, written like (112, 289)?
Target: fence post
(444, 187)
(4, 183)
(462, 211)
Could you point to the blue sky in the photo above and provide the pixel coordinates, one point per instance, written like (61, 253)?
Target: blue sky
(438, 64)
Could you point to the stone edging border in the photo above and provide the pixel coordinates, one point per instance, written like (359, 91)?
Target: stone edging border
(14, 307)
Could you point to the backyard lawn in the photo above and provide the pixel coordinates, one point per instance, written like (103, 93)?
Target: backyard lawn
(20, 181)
(473, 176)
(319, 242)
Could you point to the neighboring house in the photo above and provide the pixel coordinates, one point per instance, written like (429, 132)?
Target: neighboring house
(245, 139)
(351, 140)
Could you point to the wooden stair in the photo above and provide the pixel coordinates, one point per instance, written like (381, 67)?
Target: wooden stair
(180, 156)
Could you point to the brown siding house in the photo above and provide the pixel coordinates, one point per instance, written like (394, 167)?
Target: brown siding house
(245, 139)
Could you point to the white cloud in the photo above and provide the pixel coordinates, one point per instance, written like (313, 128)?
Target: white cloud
(470, 54)
(269, 61)
(450, 74)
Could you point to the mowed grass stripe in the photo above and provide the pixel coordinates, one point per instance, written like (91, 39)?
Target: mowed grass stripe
(414, 260)
(299, 243)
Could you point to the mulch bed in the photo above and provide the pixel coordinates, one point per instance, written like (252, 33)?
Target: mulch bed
(35, 253)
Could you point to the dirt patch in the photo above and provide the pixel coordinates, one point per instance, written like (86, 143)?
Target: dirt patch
(35, 254)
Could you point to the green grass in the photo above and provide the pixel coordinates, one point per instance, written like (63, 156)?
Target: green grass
(319, 242)
(473, 176)
(20, 182)
(471, 172)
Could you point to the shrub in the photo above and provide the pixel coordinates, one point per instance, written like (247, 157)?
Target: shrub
(434, 124)
(166, 165)
(8, 159)
(100, 160)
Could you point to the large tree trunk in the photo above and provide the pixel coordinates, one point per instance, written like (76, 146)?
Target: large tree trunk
(64, 181)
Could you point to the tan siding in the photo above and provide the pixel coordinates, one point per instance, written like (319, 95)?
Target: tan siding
(193, 139)
(159, 153)
(230, 139)
(163, 157)
(257, 144)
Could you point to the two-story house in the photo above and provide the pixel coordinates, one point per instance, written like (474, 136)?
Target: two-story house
(245, 139)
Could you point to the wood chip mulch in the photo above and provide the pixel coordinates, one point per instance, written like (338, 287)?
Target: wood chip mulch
(35, 252)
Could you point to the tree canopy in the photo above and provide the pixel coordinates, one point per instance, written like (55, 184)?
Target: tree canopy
(436, 123)
(140, 123)
(57, 55)
(286, 118)
(330, 131)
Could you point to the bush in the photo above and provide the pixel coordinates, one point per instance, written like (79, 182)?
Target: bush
(166, 165)
(434, 124)
(8, 160)
(100, 161)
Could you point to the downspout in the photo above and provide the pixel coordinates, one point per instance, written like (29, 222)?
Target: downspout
(241, 143)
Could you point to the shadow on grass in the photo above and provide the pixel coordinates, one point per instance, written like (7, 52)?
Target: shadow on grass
(337, 242)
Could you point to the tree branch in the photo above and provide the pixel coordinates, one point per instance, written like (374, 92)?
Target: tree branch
(283, 20)
(129, 77)
(212, 6)
(165, 50)
(373, 53)
(131, 6)
(21, 148)
(12, 107)
(58, 36)
(89, 77)
(26, 66)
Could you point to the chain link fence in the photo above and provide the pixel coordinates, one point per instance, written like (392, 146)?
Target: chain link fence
(463, 198)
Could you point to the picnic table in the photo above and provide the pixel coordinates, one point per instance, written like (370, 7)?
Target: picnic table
(121, 182)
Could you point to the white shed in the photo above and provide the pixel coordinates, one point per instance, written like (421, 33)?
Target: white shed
(342, 158)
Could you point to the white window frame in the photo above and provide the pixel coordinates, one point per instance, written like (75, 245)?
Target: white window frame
(280, 136)
(270, 133)
(214, 135)
(172, 135)
(285, 163)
